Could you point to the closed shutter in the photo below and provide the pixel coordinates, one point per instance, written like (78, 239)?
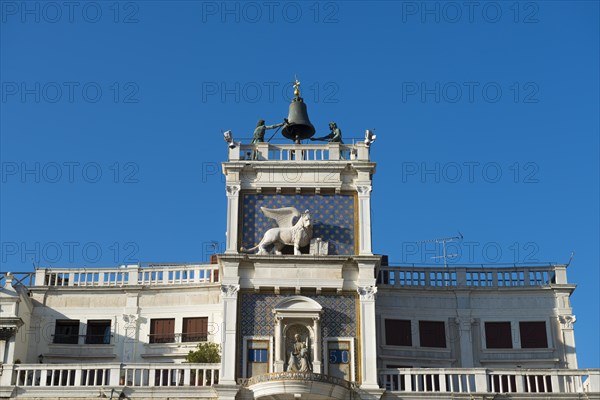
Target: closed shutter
(195, 329)
(162, 330)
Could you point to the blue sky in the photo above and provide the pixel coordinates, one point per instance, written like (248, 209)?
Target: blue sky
(486, 116)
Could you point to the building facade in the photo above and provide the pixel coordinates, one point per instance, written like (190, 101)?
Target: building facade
(325, 319)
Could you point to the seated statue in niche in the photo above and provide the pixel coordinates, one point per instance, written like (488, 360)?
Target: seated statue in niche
(299, 360)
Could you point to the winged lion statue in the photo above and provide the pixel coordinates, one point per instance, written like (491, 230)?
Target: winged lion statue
(288, 233)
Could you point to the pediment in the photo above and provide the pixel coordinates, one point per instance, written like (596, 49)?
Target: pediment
(298, 304)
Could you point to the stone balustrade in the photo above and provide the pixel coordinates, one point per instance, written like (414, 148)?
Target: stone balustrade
(66, 376)
(479, 276)
(126, 275)
(303, 152)
(480, 380)
(471, 276)
(408, 380)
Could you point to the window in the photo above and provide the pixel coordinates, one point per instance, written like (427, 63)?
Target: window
(257, 362)
(432, 334)
(66, 331)
(498, 335)
(98, 332)
(195, 329)
(257, 355)
(398, 332)
(533, 335)
(162, 330)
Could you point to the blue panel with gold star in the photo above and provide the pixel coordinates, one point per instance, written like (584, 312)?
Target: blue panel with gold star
(332, 215)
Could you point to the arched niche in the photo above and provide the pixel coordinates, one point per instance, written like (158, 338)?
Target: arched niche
(297, 314)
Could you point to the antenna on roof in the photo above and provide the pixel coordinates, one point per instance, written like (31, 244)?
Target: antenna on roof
(443, 241)
(571, 258)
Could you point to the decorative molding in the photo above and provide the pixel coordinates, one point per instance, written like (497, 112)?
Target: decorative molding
(233, 190)
(364, 190)
(367, 292)
(7, 332)
(567, 321)
(296, 376)
(230, 290)
(463, 323)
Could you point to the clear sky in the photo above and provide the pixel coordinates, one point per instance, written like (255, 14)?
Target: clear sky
(486, 115)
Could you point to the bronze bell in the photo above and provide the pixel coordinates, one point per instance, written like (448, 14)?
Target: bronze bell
(298, 125)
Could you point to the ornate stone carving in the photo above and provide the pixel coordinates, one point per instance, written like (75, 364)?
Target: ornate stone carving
(364, 189)
(567, 321)
(299, 360)
(297, 235)
(233, 190)
(230, 290)
(7, 332)
(463, 323)
(367, 292)
(295, 376)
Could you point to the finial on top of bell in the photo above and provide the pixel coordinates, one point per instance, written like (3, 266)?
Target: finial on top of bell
(298, 126)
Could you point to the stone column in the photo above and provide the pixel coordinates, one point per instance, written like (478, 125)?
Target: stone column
(3, 344)
(233, 197)
(364, 219)
(228, 363)
(10, 349)
(317, 346)
(279, 343)
(568, 339)
(368, 343)
(465, 341)
(7, 345)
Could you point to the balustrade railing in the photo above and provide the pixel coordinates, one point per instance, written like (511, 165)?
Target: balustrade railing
(479, 380)
(410, 380)
(300, 152)
(472, 276)
(176, 274)
(86, 375)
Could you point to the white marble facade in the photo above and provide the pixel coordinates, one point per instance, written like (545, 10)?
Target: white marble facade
(324, 317)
